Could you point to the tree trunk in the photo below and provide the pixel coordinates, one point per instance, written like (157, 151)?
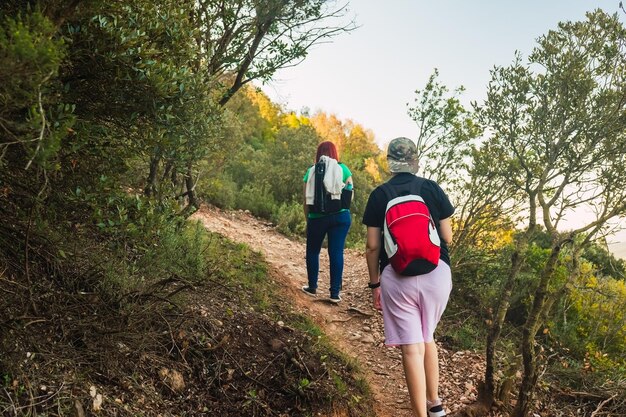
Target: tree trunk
(151, 182)
(498, 319)
(190, 186)
(534, 320)
(166, 172)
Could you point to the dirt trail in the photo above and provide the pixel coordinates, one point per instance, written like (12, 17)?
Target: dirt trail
(354, 326)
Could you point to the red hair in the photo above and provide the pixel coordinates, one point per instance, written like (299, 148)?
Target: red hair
(326, 148)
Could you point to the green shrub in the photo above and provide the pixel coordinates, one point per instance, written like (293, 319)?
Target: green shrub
(467, 333)
(591, 321)
(290, 219)
(141, 241)
(258, 200)
(220, 192)
(31, 109)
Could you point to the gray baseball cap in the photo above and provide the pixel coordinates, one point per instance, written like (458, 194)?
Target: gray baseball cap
(402, 155)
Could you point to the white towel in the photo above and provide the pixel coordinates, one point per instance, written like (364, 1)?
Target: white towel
(333, 180)
(309, 193)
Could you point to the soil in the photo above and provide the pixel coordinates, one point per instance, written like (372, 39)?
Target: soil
(353, 325)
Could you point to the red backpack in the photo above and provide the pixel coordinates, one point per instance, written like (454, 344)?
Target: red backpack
(410, 236)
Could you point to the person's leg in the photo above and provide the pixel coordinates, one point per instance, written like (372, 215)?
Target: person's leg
(315, 232)
(434, 289)
(337, 233)
(403, 327)
(431, 369)
(413, 364)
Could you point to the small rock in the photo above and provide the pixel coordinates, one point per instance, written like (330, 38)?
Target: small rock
(276, 345)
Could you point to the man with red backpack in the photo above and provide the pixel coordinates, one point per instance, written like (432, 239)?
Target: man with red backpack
(408, 229)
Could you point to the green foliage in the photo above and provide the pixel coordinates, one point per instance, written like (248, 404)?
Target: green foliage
(556, 141)
(164, 119)
(128, 218)
(32, 118)
(605, 262)
(291, 154)
(220, 191)
(176, 252)
(446, 132)
(277, 149)
(31, 55)
(363, 186)
(257, 199)
(480, 277)
(341, 386)
(553, 120)
(594, 320)
(246, 121)
(588, 331)
(466, 334)
(253, 39)
(279, 166)
(290, 219)
(130, 243)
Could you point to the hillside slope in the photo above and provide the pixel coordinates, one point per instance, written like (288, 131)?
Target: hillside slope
(353, 324)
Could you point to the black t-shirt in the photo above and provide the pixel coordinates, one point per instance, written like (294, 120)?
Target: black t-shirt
(436, 199)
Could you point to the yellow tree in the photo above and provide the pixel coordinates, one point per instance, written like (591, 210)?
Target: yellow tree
(329, 127)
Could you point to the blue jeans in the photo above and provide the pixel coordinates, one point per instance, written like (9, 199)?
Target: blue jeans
(336, 226)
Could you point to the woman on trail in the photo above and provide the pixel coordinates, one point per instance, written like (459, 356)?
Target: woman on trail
(411, 305)
(327, 196)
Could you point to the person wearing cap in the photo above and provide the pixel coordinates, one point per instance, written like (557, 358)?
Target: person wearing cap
(411, 305)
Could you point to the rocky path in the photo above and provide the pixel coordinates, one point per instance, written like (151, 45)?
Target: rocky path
(353, 325)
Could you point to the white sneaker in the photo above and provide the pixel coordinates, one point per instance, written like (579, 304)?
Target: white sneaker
(309, 292)
(436, 411)
(335, 300)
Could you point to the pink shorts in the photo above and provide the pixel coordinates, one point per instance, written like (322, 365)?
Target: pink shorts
(412, 306)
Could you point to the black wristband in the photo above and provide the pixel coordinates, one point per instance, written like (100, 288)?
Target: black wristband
(372, 286)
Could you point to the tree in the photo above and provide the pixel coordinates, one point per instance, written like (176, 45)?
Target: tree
(246, 40)
(450, 154)
(559, 127)
(359, 146)
(331, 128)
(445, 131)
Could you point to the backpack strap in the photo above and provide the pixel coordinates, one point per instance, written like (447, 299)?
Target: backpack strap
(416, 188)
